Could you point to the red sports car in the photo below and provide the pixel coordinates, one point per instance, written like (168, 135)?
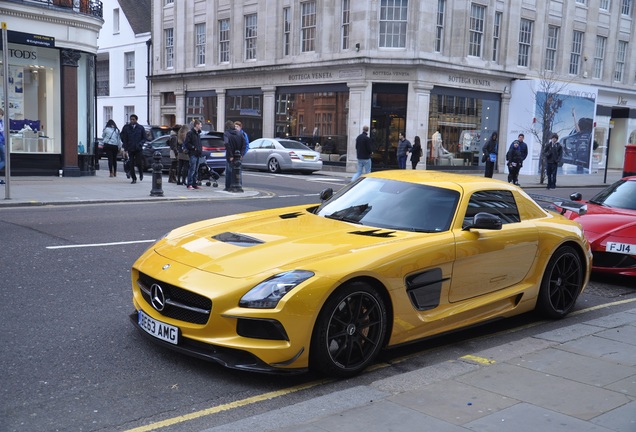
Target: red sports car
(610, 227)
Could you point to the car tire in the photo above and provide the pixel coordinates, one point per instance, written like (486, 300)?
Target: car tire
(273, 166)
(561, 284)
(350, 331)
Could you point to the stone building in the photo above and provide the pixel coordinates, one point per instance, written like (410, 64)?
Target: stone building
(318, 70)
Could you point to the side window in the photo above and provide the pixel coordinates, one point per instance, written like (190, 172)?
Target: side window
(495, 202)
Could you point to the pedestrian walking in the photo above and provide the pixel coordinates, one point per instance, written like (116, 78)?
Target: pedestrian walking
(416, 152)
(403, 149)
(363, 153)
(553, 153)
(133, 137)
(112, 145)
(173, 144)
(183, 160)
(522, 147)
(514, 159)
(233, 141)
(192, 144)
(489, 151)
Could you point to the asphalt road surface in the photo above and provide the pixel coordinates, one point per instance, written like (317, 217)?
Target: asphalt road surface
(72, 360)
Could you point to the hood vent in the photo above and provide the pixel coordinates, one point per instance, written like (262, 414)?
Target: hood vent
(237, 239)
(290, 215)
(374, 233)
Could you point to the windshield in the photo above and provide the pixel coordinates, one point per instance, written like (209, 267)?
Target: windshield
(394, 205)
(621, 194)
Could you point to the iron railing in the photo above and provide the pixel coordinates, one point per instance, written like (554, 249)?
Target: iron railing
(86, 7)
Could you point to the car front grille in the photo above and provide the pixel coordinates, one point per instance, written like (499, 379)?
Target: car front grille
(613, 260)
(181, 304)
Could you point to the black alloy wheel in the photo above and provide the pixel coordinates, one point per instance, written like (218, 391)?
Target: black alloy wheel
(350, 331)
(562, 283)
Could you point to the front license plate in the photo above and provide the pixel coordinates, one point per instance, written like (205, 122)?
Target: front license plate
(158, 329)
(622, 248)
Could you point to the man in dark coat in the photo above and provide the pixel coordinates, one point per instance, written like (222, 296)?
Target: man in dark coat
(133, 137)
(192, 144)
(553, 153)
(233, 141)
(363, 153)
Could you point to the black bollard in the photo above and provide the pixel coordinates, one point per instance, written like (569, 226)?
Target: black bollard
(236, 186)
(157, 168)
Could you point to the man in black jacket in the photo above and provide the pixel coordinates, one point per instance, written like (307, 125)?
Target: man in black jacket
(192, 144)
(363, 153)
(233, 141)
(133, 137)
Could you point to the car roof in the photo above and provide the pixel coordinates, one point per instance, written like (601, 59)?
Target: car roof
(459, 182)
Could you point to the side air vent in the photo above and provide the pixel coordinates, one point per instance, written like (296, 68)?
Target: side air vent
(291, 215)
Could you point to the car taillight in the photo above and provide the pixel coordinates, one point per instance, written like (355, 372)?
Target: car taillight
(213, 149)
(293, 155)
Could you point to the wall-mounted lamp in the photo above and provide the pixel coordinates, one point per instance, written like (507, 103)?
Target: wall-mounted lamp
(358, 47)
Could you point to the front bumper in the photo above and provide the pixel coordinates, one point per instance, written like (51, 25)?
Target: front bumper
(228, 357)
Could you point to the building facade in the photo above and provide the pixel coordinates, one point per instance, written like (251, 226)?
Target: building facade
(50, 88)
(122, 62)
(444, 70)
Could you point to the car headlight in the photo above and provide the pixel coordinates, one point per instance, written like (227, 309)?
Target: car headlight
(268, 293)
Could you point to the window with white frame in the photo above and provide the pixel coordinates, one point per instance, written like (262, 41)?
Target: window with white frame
(439, 26)
(107, 114)
(199, 44)
(129, 63)
(346, 23)
(621, 54)
(476, 29)
(224, 40)
(128, 111)
(393, 14)
(308, 26)
(584, 2)
(604, 5)
(626, 7)
(169, 47)
(496, 36)
(286, 30)
(115, 20)
(599, 55)
(102, 72)
(525, 42)
(551, 46)
(168, 2)
(575, 52)
(250, 36)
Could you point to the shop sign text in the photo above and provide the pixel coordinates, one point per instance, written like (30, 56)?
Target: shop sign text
(310, 76)
(458, 79)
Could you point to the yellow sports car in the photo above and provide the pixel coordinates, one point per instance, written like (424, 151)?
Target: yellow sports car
(392, 258)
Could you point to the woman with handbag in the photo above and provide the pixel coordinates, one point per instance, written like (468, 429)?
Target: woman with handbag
(112, 145)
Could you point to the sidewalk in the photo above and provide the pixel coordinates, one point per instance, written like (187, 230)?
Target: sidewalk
(580, 377)
(25, 191)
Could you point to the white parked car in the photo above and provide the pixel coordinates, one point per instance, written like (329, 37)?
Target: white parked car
(280, 154)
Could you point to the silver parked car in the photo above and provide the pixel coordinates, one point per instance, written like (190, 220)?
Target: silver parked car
(280, 154)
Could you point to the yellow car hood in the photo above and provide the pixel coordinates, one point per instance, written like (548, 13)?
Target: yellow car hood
(270, 240)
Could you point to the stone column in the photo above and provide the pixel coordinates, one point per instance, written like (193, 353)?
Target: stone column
(269, 111)
(69, 112)
(220, 109)
(422, 92)
(359, 115)
(503, 128)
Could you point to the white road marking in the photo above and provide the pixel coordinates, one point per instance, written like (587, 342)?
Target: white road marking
(100, 244)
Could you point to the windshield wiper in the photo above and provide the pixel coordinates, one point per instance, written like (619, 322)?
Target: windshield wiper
(597, 203)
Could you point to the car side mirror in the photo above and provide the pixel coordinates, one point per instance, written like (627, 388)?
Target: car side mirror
(484, 220)
(325, 194)
(576, 196)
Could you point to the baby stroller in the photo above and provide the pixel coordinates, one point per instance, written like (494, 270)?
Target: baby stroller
(207, 174)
